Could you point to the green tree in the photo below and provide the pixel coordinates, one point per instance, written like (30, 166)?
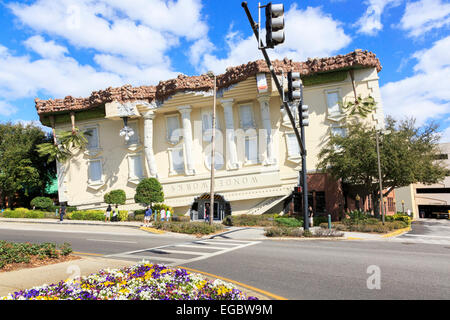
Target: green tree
(407, 155)
(64, 145)
(115, 197)
(149, 191)
(23, 172)
(42, 203)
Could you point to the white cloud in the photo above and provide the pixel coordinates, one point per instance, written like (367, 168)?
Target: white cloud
(426, 94)
(370, 22)
(129, 42)
(21, 77)
(45, 49)
(7, 109)
(445, 135)
(422, 16)
(309, 33)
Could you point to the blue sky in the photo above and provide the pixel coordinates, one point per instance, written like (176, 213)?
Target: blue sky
(55, 48)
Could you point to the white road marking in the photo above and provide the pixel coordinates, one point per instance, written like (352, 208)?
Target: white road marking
(176, 261)
(423, 236)
(105, 240)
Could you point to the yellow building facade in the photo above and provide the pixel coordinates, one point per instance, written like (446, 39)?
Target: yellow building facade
(257, 156)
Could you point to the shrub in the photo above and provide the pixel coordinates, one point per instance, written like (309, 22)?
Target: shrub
(123, 215)
(403, 217)
(23, 213)
(97, 215)
(250, 220)
(289, 222)
(320, 219)
(307, 233)
(282, 231)
(22, 252)
(327, 233)
(181, 218)
(115, 197)
(42, 203)
(66, 249)
(149, 191)
(188, 227)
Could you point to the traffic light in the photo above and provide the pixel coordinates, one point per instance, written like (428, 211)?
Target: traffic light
(274, 24)
(304, 115)
(294, 86)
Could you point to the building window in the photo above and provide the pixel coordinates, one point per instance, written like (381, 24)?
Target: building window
(218, 161)
(173, 128)
(207, 116)
(176, 161)
(246, 116)
(134, 139)
(338, 131)
(251, 149)
(391, 206)
(95, 171)
(333, 98)
(136, 171)
(93, 138)
(292, 145)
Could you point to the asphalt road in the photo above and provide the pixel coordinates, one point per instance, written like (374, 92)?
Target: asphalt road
(291, 269)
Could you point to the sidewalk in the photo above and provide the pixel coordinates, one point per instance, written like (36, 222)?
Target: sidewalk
(133, 224)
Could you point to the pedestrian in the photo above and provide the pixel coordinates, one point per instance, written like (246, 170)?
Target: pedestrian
(62, 212)
(163, 214)
(311, 216)
(168, 215)
(207, 212)
(147, 216)
(115, 213)
(108, 213)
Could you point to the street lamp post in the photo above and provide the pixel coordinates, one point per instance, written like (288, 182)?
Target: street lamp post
(213, 151)
(379, 175)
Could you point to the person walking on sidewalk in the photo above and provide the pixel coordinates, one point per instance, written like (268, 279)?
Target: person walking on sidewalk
(147, 216)
(108, 213)
(311, 216)
(163, 214)
(62, 212)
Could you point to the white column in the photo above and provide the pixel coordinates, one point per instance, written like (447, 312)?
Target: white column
(149, 116)
(232, 158)
(265, 116)
(187, 136)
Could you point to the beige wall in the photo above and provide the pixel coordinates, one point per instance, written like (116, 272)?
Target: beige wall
(245, 187)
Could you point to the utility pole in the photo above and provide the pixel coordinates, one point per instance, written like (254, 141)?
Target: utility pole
(213, 155)
(379, 176)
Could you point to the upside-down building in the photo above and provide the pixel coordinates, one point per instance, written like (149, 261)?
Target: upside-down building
(257, 158)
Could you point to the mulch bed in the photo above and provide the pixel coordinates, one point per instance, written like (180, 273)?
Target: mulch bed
(36, 262)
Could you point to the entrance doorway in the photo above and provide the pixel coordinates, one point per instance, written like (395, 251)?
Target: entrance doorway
(222, 207)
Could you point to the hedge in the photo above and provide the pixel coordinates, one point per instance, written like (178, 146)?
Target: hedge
(188, 227)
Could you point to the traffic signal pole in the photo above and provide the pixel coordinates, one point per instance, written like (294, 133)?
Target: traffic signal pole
(274, 76)
(300, 138)
(304, 172)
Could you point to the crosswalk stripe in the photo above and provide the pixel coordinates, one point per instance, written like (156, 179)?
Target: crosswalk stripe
(177, 261)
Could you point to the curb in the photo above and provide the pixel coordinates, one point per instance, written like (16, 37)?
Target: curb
(152, 230)
(396, 232)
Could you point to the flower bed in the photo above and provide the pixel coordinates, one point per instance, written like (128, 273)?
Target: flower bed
(143, 281)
